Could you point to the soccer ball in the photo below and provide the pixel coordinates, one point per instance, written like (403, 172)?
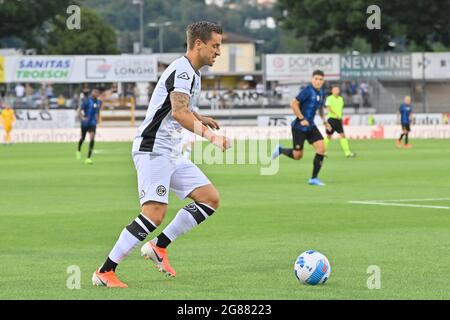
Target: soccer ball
(312, 267)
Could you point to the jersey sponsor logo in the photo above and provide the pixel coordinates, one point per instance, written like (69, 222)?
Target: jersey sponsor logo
(161, 190)
(318, 98)
(141, 194)
(184, 76)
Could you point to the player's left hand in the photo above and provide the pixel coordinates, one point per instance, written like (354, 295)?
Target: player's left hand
(211, 123)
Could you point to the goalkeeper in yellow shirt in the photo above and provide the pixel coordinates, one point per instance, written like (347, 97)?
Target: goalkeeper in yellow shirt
(7, 118)
(335, 106)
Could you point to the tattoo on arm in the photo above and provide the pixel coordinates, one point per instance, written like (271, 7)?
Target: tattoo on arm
(179, 101)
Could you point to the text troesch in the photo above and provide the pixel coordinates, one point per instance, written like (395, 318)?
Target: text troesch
(43, 69)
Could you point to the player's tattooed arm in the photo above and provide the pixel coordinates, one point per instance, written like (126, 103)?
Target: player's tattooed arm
(179, 102)
(207, 121)
(188, 120)
(180, 112)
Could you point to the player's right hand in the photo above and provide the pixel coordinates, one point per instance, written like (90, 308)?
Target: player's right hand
(222, 142)
(304, 123)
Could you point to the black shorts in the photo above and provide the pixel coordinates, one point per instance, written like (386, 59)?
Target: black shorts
(406, 127)
(89, 128)
(336, 126)
(299, 137)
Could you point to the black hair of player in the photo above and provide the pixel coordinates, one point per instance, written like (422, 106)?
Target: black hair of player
(318, 73)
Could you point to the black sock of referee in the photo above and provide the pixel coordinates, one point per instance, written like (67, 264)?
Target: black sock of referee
(287, 152)
(91, 147)
(318, 160)
(401, 137)
(406, 139)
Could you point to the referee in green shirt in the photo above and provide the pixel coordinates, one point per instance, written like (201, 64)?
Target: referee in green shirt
(335, 106)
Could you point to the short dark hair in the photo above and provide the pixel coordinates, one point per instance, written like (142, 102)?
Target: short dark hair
(201, 30)
(318, 73)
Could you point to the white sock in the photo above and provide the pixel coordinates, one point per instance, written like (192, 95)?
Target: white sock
(186, 219)
(130, 237)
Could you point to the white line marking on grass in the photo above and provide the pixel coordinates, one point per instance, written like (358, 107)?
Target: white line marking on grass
(108, 151)
(398, 204)
(411, 200)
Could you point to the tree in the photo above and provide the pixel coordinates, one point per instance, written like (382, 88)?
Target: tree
(18, 18)
(94, 37)
(124, 16)
(335, 23)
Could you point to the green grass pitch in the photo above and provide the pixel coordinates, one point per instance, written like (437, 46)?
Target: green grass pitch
(57, 212)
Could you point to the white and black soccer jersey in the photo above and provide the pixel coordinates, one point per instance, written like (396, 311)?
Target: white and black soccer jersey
(160, 133)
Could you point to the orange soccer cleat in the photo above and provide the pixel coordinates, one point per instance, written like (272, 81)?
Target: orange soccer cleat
(159, 256)
(107, 279)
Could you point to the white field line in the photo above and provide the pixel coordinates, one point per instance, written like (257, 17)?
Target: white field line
(398, 204)
(410, 200)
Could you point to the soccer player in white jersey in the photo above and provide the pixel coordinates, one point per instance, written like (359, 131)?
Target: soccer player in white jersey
(160, 166)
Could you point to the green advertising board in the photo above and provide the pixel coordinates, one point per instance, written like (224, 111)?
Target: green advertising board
(380, 66)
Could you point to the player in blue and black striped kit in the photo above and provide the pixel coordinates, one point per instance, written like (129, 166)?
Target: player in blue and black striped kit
(305, 106)
(405, 111)
(89, 113)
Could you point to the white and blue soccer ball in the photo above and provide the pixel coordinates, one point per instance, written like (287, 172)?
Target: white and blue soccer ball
(312, 268)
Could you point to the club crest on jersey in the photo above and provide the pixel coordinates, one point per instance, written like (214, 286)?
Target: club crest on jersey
(141, 194)
(161, 190)
(184, 76)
